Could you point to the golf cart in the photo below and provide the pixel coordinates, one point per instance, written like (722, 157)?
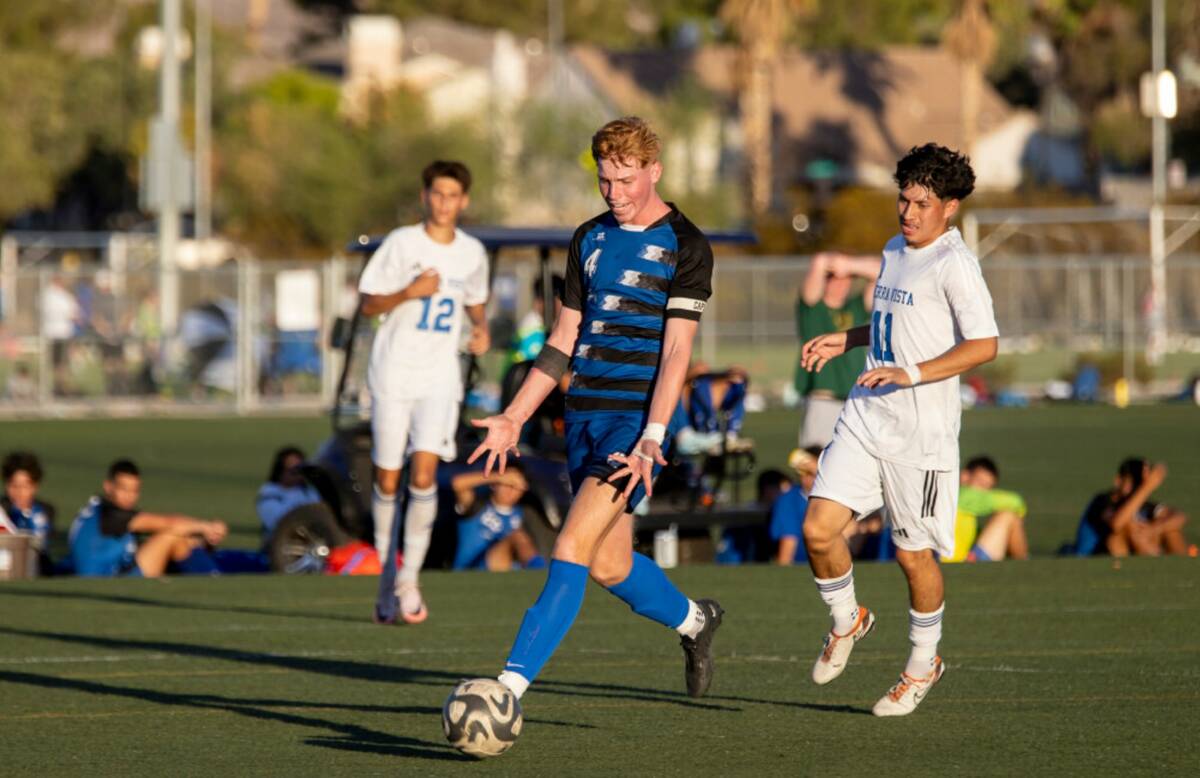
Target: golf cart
(341, 469)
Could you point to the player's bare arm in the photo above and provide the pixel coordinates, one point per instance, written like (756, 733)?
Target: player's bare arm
(963, 357)
(1152, 478)
(678, 336)
(481, 339)
(818, 351)
(212, 531)
(504, 429)
(424, 285)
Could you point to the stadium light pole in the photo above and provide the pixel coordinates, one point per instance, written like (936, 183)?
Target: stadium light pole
(167, 162)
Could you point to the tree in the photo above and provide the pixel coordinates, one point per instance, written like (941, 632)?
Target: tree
(972, 41)
(760, 27)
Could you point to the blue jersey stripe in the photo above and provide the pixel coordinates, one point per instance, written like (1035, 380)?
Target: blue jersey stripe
(597, 367)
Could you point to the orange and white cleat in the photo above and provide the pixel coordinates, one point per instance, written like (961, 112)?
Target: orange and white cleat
(903, 698)
(837, 648)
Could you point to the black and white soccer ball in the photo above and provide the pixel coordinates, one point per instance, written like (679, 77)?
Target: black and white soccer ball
(482, 717)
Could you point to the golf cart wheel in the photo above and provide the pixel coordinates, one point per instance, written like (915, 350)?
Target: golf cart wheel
(303, 539)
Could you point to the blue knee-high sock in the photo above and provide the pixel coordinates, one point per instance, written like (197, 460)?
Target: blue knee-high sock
(547, 621)
(650, 593)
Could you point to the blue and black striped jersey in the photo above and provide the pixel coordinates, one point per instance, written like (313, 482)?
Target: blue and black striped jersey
(627, 282)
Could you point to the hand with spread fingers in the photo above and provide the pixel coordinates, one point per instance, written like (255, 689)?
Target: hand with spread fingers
(638, 465)
(883, 376)
(503, 432)
(818, 351)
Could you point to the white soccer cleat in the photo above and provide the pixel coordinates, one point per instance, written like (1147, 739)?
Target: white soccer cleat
(412, 605)
(836, 651)
(903, 698)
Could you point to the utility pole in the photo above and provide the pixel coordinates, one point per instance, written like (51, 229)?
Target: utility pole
(167, 174)
(1157, 344)
(203, 215)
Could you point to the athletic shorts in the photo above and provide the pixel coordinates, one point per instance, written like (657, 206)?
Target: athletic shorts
(592, 439)
(922, 504)
(399, 427)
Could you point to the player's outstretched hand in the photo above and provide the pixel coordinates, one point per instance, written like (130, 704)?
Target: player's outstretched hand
(638, 465)
(818, 351)
(883, 376)
(425, 284)
(501, 439)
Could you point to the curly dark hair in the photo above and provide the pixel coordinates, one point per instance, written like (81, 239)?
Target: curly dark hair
(938, 168)
(19, 461)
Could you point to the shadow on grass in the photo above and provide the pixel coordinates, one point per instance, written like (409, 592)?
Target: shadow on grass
(358, 670)
(348, 736)
(149, 602)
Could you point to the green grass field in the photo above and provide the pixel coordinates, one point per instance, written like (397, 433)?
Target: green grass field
(1057, 456)
(1073, 667)
(1076, 666)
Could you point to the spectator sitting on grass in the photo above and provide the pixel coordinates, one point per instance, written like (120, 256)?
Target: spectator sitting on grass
(1125, 521)
(787, 516)
(25, 512)
(103, 536)
(1003, 536)
(285, 489)
(492, 538)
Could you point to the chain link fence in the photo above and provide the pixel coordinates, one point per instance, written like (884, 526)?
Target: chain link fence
(255, 336)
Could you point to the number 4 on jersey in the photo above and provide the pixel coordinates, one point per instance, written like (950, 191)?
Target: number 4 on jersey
(445, 314)
(881, 347)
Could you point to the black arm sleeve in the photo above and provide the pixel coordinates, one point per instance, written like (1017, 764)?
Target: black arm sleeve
(692, 285)
(114, 521)
(573, 292)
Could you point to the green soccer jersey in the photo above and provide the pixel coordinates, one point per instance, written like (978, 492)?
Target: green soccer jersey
(839, 375)
(984, 502)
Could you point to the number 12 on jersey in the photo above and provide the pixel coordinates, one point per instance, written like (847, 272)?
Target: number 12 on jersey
(443, 318)
(881, 337)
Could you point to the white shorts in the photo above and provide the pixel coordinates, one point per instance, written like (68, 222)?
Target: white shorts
(399, 427)
(921, 503)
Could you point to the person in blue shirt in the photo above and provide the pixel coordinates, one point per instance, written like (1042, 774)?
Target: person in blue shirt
(285, 489)
(26, 513)
(103, 537)
(491, 536)
(638, 278)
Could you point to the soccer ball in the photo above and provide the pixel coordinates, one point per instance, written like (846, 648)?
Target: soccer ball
(482, 717)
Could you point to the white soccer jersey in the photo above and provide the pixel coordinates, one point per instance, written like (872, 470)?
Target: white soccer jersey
(926, 301)
(415, 353)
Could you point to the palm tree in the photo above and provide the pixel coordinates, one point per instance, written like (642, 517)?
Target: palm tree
(761, 27)
(969, 36)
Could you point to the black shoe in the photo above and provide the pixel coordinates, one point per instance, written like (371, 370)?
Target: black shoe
(697, 651)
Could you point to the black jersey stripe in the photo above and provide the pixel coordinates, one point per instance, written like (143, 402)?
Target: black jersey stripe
(577, 402)
(621, 304)
(639, 280)
(601, 327)
(619, 356)
(600, 383)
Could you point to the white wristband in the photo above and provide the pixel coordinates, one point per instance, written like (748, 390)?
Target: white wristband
(655, 432)
(914, 373)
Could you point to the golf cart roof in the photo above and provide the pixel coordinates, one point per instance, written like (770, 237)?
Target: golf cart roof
(545, 238)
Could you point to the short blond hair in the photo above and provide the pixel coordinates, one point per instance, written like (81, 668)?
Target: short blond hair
(625, 139)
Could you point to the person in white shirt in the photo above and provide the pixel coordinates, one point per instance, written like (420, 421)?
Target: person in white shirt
(896, 441)
(421, 281)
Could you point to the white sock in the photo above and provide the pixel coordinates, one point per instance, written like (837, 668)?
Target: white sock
(693, 622)
(516, 682)
(418, 528)
(383, 509)
(924, 632)
(838, 594)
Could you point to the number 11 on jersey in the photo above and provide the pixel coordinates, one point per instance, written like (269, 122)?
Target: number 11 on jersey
(881, 347)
